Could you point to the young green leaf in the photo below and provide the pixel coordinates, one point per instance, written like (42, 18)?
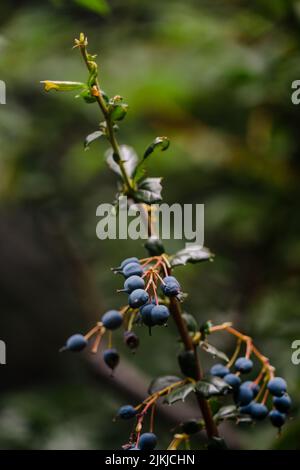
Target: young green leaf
(91, 137)
(160, 143)
(118, 111)
(62, 86)
(97, 6)
(191, 254)
(191, 322)
(179, 393)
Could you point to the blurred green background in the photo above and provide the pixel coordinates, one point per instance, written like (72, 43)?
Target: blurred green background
(216, 78)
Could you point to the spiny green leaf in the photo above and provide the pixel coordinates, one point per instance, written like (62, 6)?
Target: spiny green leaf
(210, 386)
(210, 349)
(128, 156)
(162, 382)
(91, 137)
(191, 254)
(179, 393)
(149, 191)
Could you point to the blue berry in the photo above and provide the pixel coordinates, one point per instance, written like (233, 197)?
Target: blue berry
(277, 386)
(277, 418)
(282, 404)
(160, 314)
(127, 412)
(258, 411)
(246, 409)
(147, 441)
(243, 365)
(112, 319)
(137, 298)
(233, 380)
(146, 316)
(253, 386)
(244, 396)
(132, 269)
(170, 286)
(129, 260)
(132, 283)
(111, 358)
(219, 370)
(76, 343)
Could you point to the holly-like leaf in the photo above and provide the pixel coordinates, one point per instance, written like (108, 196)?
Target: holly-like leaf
(191, 254)
(128, 156)
(211, 386)
(161, 143)
(162, 382)
(179, 393)
(149, 191)
(227, 412)
(210, 349)
(191, 322)
(91, 137)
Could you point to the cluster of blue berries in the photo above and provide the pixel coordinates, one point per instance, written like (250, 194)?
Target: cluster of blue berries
(245, 393)
(151, 312)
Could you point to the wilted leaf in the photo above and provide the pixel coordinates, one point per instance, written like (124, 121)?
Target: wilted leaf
(149, 191)
(179, 393)
(210, 349)
(191, 254)
(91, 137)
(162, 382)
(128, 156)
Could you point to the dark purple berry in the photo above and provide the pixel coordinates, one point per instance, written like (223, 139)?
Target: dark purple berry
(138, 298)
(147, 441)
(243, 365)
(127, 412)
(219, 370)
(111, 358)
(112, 319)
(277, 386)
(75, 343)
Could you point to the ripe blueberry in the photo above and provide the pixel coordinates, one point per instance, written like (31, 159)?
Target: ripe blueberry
(129, 260)
(233, 380)
(277, 418)
(146, 316)
(258, 411)
(111, 358)
(282, 404)
(160, 314)
(253, 386)
(132, 269)
(76, 343)
(147, 441)
(243, 365)
(244, 395)
(277, 386)
(137, 298)
(132, 283)
(219, 370)
(170, 286)
(127, 412)
(246, 409)
(112, 319)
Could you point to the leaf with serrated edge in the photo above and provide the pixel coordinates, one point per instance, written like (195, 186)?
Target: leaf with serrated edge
(191, 254)
(210, 349)
(162, 382)
(179, 393)
(128, 156)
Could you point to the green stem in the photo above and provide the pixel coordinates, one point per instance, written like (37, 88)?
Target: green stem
(111, 134)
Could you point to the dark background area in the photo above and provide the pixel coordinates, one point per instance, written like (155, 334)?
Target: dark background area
(216, 78)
